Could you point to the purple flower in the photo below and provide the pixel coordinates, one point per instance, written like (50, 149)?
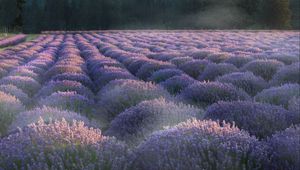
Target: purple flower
(214, 70)
(207, 93)
(138, 122)
(194, 68)
(9, 108)
(119, 95)
(246, 81)
(61, 145)
(176, 84)
(164, 74)
(279, 95)
(258, 119)
(287, 74)
(285, 149)
(199, 145)
(263, 68)
(239, 61)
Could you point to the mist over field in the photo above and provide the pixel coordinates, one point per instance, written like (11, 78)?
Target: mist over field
(34, 16)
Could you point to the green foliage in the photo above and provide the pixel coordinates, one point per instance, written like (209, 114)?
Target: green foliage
(275, 13)
(34, 16)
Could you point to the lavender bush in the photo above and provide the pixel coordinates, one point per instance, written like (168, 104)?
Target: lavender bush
(258, 119)
(294, 105)
(138, 122)
(194, 68)
(287, 74)
(48, 114)
(212, 71)
(285, 149)
(263, 68)
(199, 145)
(246, 81)
(68, 101)
(217, 57)
(239, 61)
(176, 84)
(63, 86)
(61, 145)
(119, 95)
(206, 93)
(26, 84)
(279, 95)
(178, 61)
(18, 93)
(149, 68)
(9, 108)
(82, 78)
(164, 74)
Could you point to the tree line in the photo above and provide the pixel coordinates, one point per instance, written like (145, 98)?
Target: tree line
(33, 16)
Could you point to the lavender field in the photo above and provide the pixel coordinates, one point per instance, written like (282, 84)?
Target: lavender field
(151, 100)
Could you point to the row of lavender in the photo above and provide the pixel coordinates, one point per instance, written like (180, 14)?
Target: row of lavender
(97, 76)
(14, 40)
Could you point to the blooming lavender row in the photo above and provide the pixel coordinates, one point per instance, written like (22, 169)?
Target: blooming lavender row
(121, 82)
(10, 41)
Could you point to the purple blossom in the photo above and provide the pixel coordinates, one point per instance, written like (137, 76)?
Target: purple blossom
(246, 81)
(258, 119)
(119, 95)
(212, 71)
(285, 149)
(239, 61)
(12, 40)
(194, 68)
(287, 74)
(61, 145)
(279, 95)
(9, 108)
(26, 84)
(164, 74)
(199, 145)
(207, 93)
(263, 68)
(138, 122)
(176, 84)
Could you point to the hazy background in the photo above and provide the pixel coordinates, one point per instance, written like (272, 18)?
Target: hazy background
(33, 16)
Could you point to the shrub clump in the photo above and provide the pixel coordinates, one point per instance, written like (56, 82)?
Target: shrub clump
(263, 68)
(138, 122)
(119, 95)
(68, 101)
(48, 114)
(162, 75)
(9, 108)
(285, 149)
(199, 145)
(207, 93)
(246, 81)
(258, 119)
(82, 78)
(239, 61)
(176, 84)
(64, 86)
(61, 145)
(180, 60)
(149, 68)
(279, 95)
(26, 84)
(194, 68)
(287, 74)
(214, 70)
(15, 91)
